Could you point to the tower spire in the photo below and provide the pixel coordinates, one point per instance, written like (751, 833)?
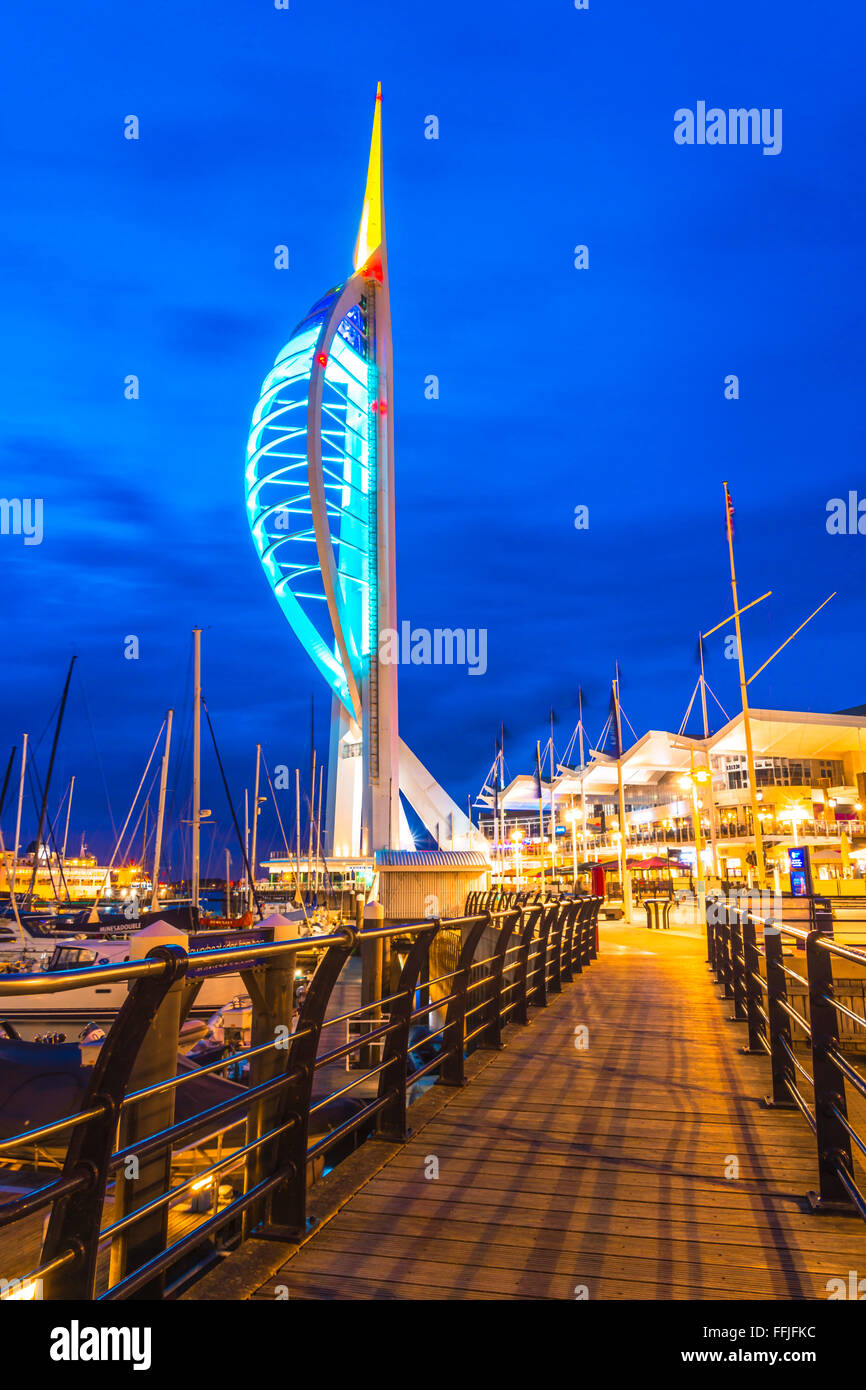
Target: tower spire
(371, 233)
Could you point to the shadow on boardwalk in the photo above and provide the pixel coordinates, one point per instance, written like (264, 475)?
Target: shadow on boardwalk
(601, 1172)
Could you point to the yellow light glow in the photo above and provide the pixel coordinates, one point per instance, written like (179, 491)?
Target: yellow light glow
(23, 1292)
(370, 230)
(201, 1184)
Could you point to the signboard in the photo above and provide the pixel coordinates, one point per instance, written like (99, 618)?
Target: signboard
(218, 941)
(801, 871)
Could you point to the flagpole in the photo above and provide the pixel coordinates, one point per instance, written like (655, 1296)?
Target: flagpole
(626, 877)
(540, 811)
(502, 789)
(713, 842)
(552, 803)
(582, 788)
(497, 822)
(747, 728)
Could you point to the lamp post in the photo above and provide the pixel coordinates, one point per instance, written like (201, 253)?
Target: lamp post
(517, 841)
(572, 818)
(692, 779)
(796, 815)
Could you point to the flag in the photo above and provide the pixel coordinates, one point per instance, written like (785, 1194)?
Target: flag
(730, 511)
(538, 771)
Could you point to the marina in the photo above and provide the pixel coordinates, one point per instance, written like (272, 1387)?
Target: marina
(497, 935)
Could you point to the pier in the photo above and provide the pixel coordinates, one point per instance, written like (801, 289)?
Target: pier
(633, 1161)
(536, 1116)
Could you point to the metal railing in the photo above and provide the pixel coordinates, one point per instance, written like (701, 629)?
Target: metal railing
(747, 953)
(123, 1139)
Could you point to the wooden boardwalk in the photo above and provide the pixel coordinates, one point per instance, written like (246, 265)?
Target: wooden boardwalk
(600, 1173)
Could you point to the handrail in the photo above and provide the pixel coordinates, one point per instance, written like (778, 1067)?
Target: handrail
(511, 953)
(770, 1029)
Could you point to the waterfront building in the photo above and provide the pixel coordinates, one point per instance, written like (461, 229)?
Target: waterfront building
(810, 778)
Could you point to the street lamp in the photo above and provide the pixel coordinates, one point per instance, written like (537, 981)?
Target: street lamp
(796, 815)
(517, 841)
(690, 781)
(571, 816)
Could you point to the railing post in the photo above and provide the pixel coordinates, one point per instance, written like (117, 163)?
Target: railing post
(834, 1144)
(723, 937)
(753, 988)
(287, 1207)
(712, 913)
(453, 1069)
(557, 925)
(592, 932)
(738, 969)
(391, 1122)
(572, 911)
(493, 1037)
(521, 1010)
(538, 991)
(780, 1023)
(271, 988)
(75, 1220)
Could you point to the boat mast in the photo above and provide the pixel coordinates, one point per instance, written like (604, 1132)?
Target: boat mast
(247, 843)
(256, 810)
(144, 838)
(715, 847)
(540, 810)
(760, 871)
(626, 877)
(68, 813)
(16, 847)
(312, 822)
(319, 853)
(48, 779)
(582, 787)
(9, 881)
(160, 815)
(298, 830)
(502, 847)
(196, 769)
(552, 800)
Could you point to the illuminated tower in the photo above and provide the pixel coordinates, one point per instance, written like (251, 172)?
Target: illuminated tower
(320, 504)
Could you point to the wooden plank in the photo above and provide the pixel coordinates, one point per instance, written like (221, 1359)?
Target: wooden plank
(695, 1244)
(636, 1224)
(514, 1283)
(657, 1262)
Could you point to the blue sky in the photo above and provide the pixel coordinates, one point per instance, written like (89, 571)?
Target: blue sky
(559, 387)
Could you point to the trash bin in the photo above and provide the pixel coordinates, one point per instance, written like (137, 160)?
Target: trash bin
(658, 913)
